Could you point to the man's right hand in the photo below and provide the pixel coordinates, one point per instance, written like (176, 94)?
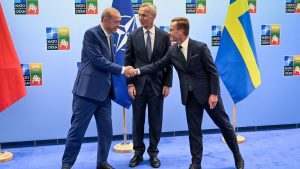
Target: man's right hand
(129, 71)
(131, 91)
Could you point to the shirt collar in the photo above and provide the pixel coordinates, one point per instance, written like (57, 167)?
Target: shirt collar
(152, 30)
(107, 34)
(185, 43)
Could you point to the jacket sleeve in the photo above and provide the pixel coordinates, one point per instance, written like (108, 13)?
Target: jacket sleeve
(158, 65)
(211, 69)
(168, 72)
(94, 53)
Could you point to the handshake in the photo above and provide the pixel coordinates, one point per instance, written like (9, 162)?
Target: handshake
(130, 71)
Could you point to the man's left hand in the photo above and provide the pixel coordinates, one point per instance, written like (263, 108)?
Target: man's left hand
(166, 91)
(212, 101)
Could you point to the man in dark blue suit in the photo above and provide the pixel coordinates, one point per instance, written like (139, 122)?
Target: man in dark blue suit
(199, 85)
(145, 45)
(93, 90)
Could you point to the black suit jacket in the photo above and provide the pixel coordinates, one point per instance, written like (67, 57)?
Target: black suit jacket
(136, 56)
(200, 70)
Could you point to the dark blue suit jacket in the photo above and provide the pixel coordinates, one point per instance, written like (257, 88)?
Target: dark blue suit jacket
(94, 74)
(136, 56)
(199, 70)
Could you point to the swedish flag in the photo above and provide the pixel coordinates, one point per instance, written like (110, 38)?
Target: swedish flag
(236, 58)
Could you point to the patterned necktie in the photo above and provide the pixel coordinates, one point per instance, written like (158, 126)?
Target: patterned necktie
(108, 41)
(109, 47)
(148, 45)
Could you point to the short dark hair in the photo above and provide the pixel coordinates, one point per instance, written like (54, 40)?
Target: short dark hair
(182, 23)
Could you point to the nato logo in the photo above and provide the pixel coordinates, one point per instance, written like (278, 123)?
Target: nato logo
(216, 35)
(195, 6)
(128, 24)
(52, 38)
(86, 6)
(265, 30)
(58, 38)
(270, 34)
(292, 6)
(26, 73)
(52, 33)
(32, 74)
(26, 7)
(216, 30)
(136, 4)
(288, 65)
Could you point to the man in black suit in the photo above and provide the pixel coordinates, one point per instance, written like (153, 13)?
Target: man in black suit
(145, 45)
(199, 85)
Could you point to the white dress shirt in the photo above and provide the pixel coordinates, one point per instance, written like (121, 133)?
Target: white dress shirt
(184, 48)
(108, 36)
(152, 36)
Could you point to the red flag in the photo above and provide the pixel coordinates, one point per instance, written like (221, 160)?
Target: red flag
(12, 87)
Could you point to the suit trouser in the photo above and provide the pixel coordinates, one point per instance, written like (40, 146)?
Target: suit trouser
(155, 115)
(194, 113)
(83, 110)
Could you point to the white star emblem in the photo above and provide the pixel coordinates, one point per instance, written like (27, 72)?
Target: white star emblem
(123, 32)
(24, 69)
(265, 30)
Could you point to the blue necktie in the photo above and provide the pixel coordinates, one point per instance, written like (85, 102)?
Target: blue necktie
(148, 46)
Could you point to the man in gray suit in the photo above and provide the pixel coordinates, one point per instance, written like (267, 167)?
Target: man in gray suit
(145, 45)
(93, 90)
(199, 86)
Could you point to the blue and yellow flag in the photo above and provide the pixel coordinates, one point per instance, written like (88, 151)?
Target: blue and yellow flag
(236, 58)
(127, 25)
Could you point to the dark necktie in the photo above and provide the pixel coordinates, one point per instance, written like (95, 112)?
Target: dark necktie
(184, 63)
(181, 56)
(148, 45)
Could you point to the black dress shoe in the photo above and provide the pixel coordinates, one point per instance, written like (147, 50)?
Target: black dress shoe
(135, 161)
(105, 166)
(155, 162)
(193, 166)
(239, 162)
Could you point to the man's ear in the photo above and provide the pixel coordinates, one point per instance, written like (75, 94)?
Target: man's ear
(180, 31)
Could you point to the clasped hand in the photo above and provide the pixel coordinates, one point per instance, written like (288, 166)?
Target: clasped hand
(130, 71)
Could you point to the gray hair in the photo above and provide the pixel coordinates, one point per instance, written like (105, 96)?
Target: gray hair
(151, 6)
(109, 13)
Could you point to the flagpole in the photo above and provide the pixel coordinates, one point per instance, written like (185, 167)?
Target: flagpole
(240, 139)
(5, 156)
(124, 147)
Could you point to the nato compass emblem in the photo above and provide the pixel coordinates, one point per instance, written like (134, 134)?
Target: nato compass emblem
(128, 24)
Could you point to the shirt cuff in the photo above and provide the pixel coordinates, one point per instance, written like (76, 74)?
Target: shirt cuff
(123, 70)
(139, 72)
